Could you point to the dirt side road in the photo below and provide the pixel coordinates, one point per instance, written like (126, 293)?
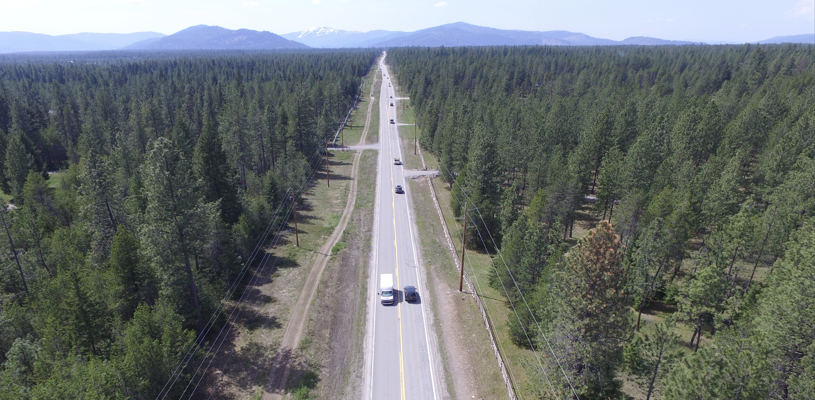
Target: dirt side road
(293, 334)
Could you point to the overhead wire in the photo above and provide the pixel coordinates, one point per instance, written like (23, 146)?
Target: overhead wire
(316, 159)
(236, 310)
(486, 311)
(512, 306)
(314, 163)
(250, 260)
(194, 347)
(548, 344)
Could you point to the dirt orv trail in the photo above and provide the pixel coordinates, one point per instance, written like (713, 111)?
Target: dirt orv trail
(279, 373)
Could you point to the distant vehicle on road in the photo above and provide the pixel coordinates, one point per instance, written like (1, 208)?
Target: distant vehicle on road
(386, 291)
(399, 189)
(397, 161)
(391, 96)
(392, 121)
(391, 104)
(411, 294)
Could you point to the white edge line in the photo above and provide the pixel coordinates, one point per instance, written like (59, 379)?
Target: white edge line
(416, 270)
(372, 268)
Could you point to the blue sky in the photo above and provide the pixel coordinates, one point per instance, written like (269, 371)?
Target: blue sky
(702, 20)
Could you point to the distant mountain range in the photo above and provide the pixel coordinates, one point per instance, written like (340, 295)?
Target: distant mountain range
(216, 38)
(463, 34)
(806, 38)
(202, 37)
(13, 42)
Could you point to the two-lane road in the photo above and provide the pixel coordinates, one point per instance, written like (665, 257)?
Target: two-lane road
(400, 359)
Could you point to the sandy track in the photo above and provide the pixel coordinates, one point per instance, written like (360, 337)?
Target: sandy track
(279, 373)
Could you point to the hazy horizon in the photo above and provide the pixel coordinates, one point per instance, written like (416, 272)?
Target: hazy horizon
(694, 20)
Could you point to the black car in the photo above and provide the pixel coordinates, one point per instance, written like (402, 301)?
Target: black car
(411, 294)
(399, 189)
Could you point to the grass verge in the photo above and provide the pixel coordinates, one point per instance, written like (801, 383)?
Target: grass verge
(336, 326)
(356, 124)
(243, 364)
(406, 134)
(466, 351)
(373, 131)
(479, 266)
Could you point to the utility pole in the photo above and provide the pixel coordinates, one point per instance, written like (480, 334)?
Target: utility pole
(463, 243)
(327, 172)
(13, 250)
(414, 133)
(296, 232)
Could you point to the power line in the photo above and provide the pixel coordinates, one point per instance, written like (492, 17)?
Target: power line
(313, 164)
(531, 345)
(548, 344)
(252, 282)
(195, 346)
(477, 283)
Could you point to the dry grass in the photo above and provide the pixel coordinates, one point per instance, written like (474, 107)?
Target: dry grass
(336, 326)
(406, 134)
(480, 267)
(353, 130)
(243, 364)
(469, 361)
(373, 131)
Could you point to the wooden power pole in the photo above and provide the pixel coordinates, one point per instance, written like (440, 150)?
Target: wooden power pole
(327, 172)
(463, 244)
(296, 231)
(414, 134)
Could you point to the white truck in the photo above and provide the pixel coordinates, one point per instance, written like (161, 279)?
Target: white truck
(386, 291)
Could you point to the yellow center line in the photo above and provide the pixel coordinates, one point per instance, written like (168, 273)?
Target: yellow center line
(396, 247)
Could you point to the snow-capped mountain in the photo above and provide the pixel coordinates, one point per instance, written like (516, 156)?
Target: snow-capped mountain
(321, 31)
(321, 36)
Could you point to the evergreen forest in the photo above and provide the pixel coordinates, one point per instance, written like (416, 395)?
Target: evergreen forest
(652, 208)
(136, 186)
(615, 184)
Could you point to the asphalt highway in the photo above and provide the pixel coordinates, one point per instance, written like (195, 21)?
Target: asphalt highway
(401, 360)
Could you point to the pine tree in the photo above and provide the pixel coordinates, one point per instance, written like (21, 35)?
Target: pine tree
(483, 187)
(177, 225)
(101, 204)
(510, 207)
(36, 220)
(4, 183)
(211, 167)
(734, 367)
(591, 315)
(702, 299)
(609, 179)
(18, 163)
(150, 349)
(134, 282)
(648, 261)
(724, 196)
(786, 319)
